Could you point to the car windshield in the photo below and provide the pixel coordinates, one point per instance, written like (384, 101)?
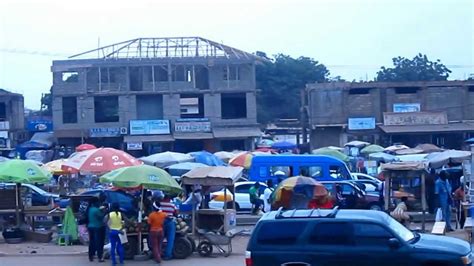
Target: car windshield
(400, 230)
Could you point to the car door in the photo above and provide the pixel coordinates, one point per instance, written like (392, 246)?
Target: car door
(350, 194)
(331, 243)
(371, 242)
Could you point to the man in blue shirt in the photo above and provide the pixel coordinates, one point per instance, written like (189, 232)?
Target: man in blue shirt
(443, 190)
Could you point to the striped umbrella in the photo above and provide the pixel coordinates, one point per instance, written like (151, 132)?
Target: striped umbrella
(55, 167)
(295, 192)
(243, 159)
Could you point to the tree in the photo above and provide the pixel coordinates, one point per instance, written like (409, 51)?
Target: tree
(46, 104)
(420, 68)
(280, 82)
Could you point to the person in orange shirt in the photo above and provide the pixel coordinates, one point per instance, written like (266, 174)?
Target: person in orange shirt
(156, 219)
(323, 202)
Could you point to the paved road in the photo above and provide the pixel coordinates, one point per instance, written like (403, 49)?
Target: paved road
(233, 260)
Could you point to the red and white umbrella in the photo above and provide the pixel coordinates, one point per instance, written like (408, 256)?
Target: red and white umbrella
(101, 160)
(85, 147)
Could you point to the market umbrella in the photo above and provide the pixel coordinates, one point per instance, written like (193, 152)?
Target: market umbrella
(408, 151)
(85, 147)
(55, 167)
(428, 148)
(283, 145)
(265, 143)
(225, 156)
(357, 143)
(22, 171)
(167, 158)
(243, 159)
(99, 161)
(448, 156)
(333, 153)
(206, 158)
(297, 191)
(395, 148)
(383, 157)
(372, 149)
(144, 176)
(180, 169)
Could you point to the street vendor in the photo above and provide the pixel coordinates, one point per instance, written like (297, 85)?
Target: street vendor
(168, 207)
(255, 197)
(400, 213)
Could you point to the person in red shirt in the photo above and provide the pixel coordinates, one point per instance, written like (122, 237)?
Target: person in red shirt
(323, 202)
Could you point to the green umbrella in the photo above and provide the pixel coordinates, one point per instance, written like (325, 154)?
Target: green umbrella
(372, 149)
(333, 153)
(146, 176)
(23, 171)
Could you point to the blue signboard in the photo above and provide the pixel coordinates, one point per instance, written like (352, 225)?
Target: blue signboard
(103, 132)
(363, 123)
(40, 125)
(149, 127)
(406, 107)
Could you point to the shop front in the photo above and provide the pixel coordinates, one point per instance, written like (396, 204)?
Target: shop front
(193, 135)
(148, 137)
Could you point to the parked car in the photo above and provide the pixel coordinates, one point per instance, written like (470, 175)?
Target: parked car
(39, 197)
(347, 237)
(354, 196)
(242, 198)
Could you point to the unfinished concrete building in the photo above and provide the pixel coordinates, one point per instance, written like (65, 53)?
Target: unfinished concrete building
(438, 112)
(153, 94)
(12, 120)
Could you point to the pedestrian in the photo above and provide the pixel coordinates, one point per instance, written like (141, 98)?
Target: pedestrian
(115, 223)
(459, 198)
(400, 213)
(443, 191)
(168, 207)
(254, 193)
(95, 225)
(267, 196)
(156, 220)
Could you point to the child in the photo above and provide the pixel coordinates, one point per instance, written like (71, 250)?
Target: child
(156, 220)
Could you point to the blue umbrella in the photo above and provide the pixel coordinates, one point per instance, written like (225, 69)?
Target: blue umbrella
(180, 169)
(207, 158)
(283, 145)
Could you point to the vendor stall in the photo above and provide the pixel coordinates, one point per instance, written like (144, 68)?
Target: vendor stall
(218, 222)
(406, 171)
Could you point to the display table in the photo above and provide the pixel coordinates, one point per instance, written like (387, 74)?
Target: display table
(37, 212)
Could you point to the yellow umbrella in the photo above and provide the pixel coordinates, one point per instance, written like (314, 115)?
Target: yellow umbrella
(54, 167)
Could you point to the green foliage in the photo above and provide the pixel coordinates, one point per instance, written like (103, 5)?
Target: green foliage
(280, 82)
(420, 68)
(46, 104)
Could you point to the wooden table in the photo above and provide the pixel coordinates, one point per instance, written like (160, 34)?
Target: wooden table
(36, 213)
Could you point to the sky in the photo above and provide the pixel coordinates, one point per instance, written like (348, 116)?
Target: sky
(353, 38)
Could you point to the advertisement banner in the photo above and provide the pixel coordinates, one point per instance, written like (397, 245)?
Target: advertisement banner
(406, 107)
(104, 132)
(134, 146)
(363, 123)
(192, 125)
(149, 127)
(40, 126)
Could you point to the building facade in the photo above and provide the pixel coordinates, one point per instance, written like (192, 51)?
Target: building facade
(386, 113)
(154, 94)
(12, 120)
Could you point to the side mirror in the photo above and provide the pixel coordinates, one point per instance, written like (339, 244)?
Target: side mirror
(394, 243)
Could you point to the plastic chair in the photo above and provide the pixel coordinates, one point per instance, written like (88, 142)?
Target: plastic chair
(64, 240)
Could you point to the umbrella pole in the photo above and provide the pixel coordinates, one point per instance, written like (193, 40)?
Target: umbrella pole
(17, 208)
(140, 224)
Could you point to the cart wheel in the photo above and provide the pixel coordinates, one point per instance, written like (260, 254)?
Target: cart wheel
(182, 248)
(193, 243)
(204, 249)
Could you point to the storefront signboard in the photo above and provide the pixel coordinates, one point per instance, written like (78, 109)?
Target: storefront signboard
(192, 125)
(417, 118)
(149, 127)
(134, 146)
(40, 126)
(362, 123)
(406, 107)
(104, 132)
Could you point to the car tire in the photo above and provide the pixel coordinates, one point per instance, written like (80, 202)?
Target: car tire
(375, 207)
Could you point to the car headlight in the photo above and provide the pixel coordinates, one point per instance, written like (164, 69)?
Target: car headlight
(467, 260)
